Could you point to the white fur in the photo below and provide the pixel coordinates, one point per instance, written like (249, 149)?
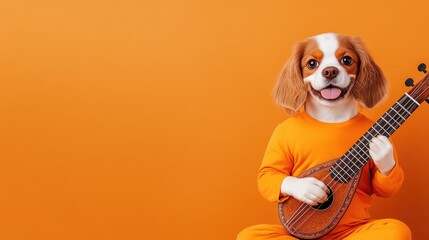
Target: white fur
(324, 110)
(328, 44)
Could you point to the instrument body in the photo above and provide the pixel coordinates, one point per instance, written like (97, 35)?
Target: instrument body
(319, 220)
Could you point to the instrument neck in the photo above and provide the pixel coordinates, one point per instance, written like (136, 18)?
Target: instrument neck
(358, 155)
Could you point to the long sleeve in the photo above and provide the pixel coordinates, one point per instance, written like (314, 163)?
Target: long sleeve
(387, 186)
(276, 165)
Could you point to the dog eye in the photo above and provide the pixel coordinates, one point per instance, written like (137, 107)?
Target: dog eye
(312, 64)
(347, 60)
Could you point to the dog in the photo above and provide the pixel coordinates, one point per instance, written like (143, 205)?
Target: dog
(330, 71)
(324, 84)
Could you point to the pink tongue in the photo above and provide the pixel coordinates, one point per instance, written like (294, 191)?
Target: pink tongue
(330, 93)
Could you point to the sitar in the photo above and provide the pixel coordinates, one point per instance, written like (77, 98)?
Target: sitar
(342, 175)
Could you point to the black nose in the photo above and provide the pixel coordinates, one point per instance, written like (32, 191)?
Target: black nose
(330, 72)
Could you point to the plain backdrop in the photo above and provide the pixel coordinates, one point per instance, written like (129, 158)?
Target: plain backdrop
(149, 119)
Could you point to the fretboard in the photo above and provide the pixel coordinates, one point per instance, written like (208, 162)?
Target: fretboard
(358, 155)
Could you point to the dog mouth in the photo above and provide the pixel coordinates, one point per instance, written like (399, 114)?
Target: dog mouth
(331, 92)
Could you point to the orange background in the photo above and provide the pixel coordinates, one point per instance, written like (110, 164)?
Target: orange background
(148, 119)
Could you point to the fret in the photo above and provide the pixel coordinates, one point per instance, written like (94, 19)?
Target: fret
(347, 169)
(353, 157)
(398, 114)
(342, 177)
(353, 167)
(358, 155)
(392, 118)
(358, 152)
(370, 134)
(341, 174)
(353, 163)
(376, 130)
(363, 150)
(337, 175)
(382, 118)
(365, 138)
(365, 144)
(344, 170)
(403, 108)
(414, 100)
(412, 105)
(382, 128)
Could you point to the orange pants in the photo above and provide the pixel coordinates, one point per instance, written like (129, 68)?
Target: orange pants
(391, 229)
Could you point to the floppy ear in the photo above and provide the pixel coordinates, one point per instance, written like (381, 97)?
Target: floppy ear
(289, 90)
(371, 86)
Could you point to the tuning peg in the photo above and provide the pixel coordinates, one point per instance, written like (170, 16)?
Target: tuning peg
(422, 68)
(409, 82)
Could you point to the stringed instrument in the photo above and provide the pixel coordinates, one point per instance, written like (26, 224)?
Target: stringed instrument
(342, 175)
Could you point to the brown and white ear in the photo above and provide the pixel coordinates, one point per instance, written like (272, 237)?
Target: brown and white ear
(289, 90)
(371, 86)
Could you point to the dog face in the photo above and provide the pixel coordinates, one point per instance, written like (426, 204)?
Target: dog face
(330, 68)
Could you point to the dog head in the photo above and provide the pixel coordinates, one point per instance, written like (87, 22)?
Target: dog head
(330, 68)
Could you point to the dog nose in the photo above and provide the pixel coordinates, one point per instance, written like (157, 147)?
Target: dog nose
(330, 72)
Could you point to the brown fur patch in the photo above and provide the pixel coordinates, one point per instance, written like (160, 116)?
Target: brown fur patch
(346, 48)
(311, 51)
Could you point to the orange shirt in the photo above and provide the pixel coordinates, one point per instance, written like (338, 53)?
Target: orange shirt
(302, 142)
